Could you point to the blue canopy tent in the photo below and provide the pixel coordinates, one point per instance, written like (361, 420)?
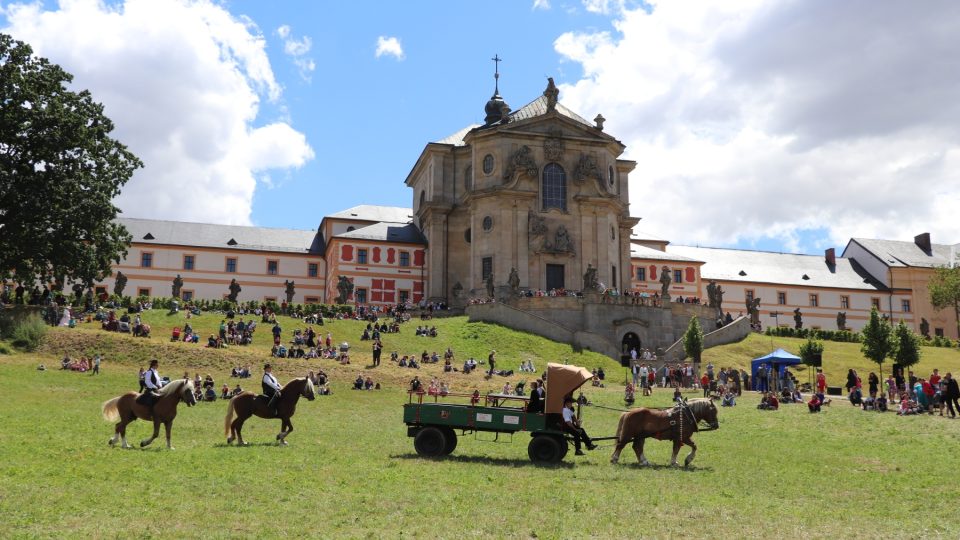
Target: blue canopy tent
(778, 359)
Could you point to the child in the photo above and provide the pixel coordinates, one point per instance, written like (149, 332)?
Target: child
(628, 394)
(814, 404)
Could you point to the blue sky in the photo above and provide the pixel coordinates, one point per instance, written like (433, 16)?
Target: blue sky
(784, 125)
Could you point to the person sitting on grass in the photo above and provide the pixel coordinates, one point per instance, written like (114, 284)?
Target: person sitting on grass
(729, 399)
(814, 404)
(869, 404)
(629, 394)
(358, 383)
(856, 397)
(882, 403)
(237, 390)
(368, 383)
(769, 402)
(225, 392)
(908, 406)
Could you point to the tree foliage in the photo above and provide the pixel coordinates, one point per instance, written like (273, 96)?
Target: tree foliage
(907, 346)
(693, 340)
(59, 171)
(944, 289)
(878, 343)
(810, 349)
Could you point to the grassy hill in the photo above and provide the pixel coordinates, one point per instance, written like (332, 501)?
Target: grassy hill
(466, 339)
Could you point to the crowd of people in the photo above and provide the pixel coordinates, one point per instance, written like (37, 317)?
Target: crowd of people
(81, 365)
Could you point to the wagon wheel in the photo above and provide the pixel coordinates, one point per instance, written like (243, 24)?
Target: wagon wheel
(545, 449)
(451, 441)
(563, 447)
(430, 442)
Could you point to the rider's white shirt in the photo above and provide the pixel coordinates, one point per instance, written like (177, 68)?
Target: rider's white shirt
(271, 381)
(147, 379)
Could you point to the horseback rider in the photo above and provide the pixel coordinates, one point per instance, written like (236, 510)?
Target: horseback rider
(271, 388)
(151, 380)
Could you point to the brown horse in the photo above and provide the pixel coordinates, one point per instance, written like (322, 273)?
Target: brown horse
(248, 404)
(125, 409)
(677, 424)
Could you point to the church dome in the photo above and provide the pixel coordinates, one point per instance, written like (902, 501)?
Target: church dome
(495, 109)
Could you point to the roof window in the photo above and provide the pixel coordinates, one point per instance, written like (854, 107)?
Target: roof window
(231, 242)
(148, 236)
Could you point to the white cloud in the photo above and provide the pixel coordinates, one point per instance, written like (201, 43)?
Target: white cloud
(389, 46)
(541, 4)
(182, 81)
(754, 118)
(604, 7)
(297, 50)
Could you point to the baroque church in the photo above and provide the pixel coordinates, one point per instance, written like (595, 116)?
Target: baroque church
(537, 195)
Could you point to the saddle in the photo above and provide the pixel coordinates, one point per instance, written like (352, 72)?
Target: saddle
(146, 399)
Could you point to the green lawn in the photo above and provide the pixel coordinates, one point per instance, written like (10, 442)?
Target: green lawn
(350, 471)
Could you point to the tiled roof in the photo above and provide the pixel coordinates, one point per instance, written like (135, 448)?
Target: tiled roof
(369, 212)
(643, 252)
(388, 232)
(897, 253)
(537, 107)
(182, 233)
(780, 268)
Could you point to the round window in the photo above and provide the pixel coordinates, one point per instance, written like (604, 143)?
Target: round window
(466, 235)
(610, 174)
(487, 164)
(487, 223)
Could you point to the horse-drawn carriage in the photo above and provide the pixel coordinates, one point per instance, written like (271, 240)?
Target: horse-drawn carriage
(434, 425)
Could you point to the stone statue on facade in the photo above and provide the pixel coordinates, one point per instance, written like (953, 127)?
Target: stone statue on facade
(521, 161)
(562, 242)
(234, 290)
(490, 286)
(753, 308)
(665, 281)
(924, 328)
(841, 320)
(345, 288)
(289, 290)
(536, 225)
(177, 285)
(119, 284)
(591, 282)
(587, 168)
(552, 93)
(554, 147)
(514, 282)
(715, 296)
(797, 319)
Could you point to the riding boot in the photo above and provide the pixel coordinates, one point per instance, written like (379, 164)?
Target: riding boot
(272, 404)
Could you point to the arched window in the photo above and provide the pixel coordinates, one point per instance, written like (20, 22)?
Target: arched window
(423, 197)
(468, 178)
(554, 187)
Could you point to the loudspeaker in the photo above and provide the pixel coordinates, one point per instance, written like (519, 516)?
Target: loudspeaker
(818, 360)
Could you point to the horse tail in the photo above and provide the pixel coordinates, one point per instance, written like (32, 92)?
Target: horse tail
(110, 410)
(623, 418)
(229, 419)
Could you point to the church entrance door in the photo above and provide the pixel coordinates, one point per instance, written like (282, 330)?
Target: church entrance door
(554, 276)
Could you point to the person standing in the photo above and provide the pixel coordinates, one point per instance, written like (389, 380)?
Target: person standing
(760, 381)
(271, 388)
(821, 382)
(96, 364)
(377, 348)
(873, 383)
(492, 360)
(535, 405)
(952, 394)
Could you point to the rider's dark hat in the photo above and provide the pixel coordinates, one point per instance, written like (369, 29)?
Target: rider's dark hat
(267, 366)
(154, 363)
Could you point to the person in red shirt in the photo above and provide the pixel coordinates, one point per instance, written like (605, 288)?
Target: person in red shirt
(821, 382)
(935, 378)
(928, 391)
(814, 404)
(705, 384)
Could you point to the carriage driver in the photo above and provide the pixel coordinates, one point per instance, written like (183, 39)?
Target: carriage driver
(571, 426)
(271, 387)
(151, 380)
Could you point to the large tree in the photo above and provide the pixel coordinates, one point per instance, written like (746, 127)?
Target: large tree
(944, 289)
(878, 342)
(59, 172)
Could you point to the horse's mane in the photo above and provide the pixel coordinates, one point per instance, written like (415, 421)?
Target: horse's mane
(699, 406)
(309, 383)
(175, 386)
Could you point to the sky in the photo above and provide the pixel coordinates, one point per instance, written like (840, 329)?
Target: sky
(783, 125)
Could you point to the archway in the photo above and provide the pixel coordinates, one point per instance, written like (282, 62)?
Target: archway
(630, 341)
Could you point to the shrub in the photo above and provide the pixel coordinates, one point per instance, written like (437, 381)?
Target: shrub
(4, 349)
(28, 333)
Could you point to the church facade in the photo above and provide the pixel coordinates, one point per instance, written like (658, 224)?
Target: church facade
(536, 196)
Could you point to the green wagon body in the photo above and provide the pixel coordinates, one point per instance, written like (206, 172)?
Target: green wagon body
(434, 425)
